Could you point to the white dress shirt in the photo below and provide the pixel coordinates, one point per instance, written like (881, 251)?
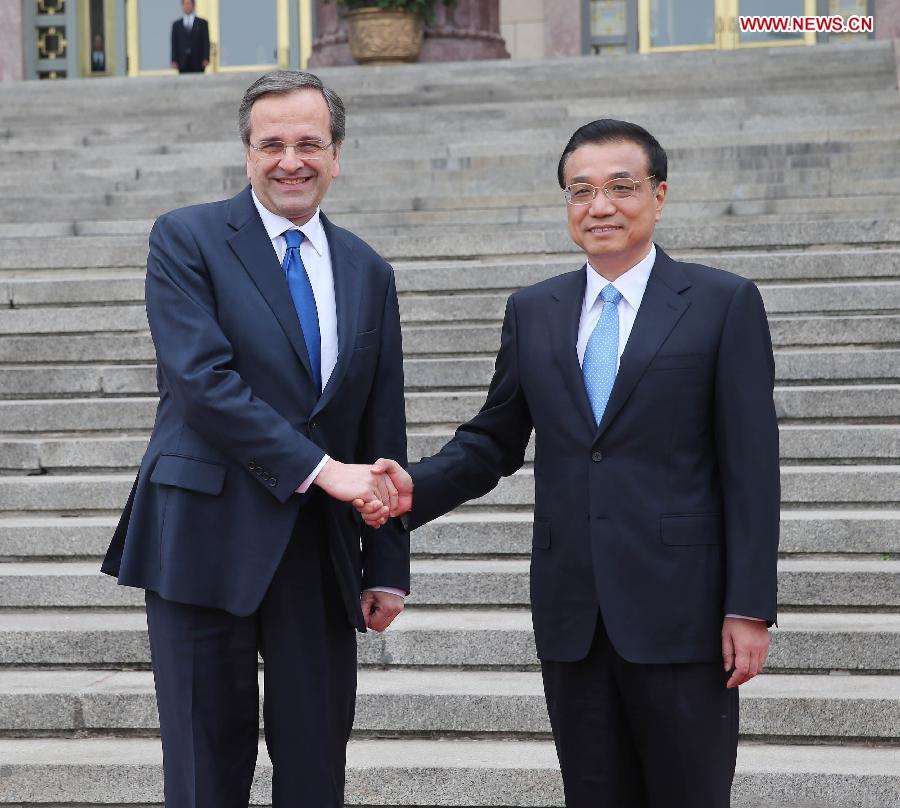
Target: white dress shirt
(188, 20)
(316, 257)
(632, 285)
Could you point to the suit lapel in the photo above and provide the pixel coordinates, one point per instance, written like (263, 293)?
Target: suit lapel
(564, 318)
(252, 246)
(661, 308)
(348, 286)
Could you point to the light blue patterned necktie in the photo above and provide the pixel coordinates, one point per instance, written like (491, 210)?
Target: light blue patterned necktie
(304, 301)
(602, 353)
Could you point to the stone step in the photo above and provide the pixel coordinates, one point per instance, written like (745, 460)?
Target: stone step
(845, 532)
(790, 308)
(413, 103)
(799, 444)
(35, 287)
(452, 186)
(473, 703)
(128, 251)
(439, 582)
(854, 168)
(42, 283)
(137, 346)
(457, 638)
(780, 300)
(787, 332)
(789, 117)
(793, 404)
(850, 163)
(86, 453)
(831, 366)
(828, 367)
(423, 409)
(849, 485)
(444, 772)
(427, 289)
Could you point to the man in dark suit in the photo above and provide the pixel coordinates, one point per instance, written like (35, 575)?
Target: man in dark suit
(648, 383)
(280, 375)
(190, 41)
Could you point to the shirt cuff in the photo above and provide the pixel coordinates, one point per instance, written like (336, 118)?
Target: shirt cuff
(389, 589)
(304, 486)
(744, 617)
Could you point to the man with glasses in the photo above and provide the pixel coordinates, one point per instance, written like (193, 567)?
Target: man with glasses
(280, 375)
(648, 383)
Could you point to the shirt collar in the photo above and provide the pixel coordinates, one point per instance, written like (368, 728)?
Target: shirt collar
(188, 19)
(631, 283)
(276, 225)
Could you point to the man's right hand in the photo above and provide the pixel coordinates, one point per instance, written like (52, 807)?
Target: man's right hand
(350, 482)
(372, 514)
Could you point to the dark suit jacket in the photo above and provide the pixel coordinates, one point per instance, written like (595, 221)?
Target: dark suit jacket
(240, 425)
(189, 51)
(666, 516)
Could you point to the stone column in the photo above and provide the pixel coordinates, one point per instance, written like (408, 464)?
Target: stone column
(470, 29)
(330, 37)
(887, 19)
(466, 31)
(562, 28)
(12, 63)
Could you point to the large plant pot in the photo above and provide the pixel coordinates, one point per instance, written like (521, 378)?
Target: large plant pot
(379, 37)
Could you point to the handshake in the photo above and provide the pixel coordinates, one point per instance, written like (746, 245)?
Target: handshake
(379, 492)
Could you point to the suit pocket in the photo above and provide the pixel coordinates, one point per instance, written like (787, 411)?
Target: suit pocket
(675, 361)
(190, 473)
(365, 339)
(541, 535)
(691, 529)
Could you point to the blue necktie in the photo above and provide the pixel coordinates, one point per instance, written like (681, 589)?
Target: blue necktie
(602, 353)
(304, 301)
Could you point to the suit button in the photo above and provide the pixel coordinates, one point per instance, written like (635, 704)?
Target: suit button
(597, 456)
(265, 475)
(313, 424)
(273, 482)
(251, 465)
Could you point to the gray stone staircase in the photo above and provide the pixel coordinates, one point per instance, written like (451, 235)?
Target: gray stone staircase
(784, 169)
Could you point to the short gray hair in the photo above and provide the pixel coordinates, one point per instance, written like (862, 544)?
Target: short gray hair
(281, 82)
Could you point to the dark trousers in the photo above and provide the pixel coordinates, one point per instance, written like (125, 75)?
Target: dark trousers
(205, 668)
(630, 735)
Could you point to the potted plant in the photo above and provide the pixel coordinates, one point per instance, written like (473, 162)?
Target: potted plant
(387, 31)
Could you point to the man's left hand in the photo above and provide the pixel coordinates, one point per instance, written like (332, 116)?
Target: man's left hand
(380, 608)
(745, 644)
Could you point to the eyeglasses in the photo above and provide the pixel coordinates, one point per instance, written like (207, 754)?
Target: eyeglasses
(304, 149)
(583, 193)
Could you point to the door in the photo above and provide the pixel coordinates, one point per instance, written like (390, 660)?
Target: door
(252, 37)
(678, 25)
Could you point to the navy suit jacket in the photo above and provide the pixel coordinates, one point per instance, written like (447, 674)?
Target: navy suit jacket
(190, 50)
(240, 423)
(666, 515)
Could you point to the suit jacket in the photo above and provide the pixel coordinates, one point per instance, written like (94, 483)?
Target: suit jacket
(190, 50)
(666, 515)
(240, 423)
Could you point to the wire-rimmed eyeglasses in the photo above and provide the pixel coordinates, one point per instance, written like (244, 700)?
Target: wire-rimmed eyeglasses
(583, 193)
(304, 149)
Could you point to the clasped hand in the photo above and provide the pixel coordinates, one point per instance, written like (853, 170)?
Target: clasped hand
(376, 512)
(378, 492)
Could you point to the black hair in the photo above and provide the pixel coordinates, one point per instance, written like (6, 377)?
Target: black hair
(609, 130)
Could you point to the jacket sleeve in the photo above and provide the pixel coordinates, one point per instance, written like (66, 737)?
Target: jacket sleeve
(489, 446)
(383, 434)
(205, 56)
(746, 433)
(194, 359)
